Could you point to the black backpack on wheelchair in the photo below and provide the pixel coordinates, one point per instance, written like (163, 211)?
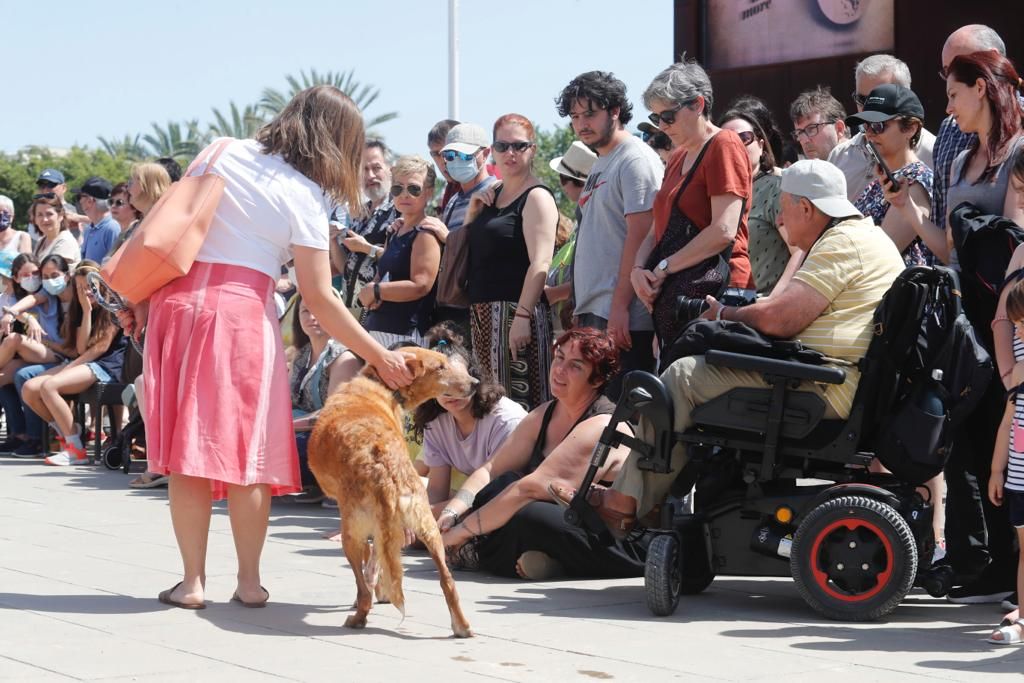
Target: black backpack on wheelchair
(780, 491)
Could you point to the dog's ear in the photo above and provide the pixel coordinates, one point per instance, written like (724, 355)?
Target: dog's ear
(415, 365)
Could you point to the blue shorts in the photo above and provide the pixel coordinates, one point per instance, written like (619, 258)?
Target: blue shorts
(98, 372)
(1014, 502)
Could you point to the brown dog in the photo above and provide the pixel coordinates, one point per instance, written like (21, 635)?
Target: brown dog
(359, 456)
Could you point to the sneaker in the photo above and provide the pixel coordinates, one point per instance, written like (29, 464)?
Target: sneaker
(28, 449)
(1010, 603)
(69, 456)
(329, 503)
(310, 496)
(977, 593)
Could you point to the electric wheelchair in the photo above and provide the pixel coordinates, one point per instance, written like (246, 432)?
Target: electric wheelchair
(771, 488)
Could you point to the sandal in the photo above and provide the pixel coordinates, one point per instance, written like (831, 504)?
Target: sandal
(144, 481)
(1011, 635)
(253, 605)
(465, 557)
(165, 598)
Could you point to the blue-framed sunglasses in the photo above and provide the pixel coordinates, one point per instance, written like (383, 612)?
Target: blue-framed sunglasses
(452, 155)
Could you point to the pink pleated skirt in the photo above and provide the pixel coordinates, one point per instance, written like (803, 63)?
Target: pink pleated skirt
(218, 405)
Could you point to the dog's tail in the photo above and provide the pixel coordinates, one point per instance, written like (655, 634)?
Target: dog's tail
(389, 554)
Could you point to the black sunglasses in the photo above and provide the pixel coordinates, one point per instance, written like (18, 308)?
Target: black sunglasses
(501, 146)
(875, 127)
(668, 116)
(747, 137)
(858, 99)
(45, 185)
(117, 203)
(565, 180)
(44, 195)
(413, 190)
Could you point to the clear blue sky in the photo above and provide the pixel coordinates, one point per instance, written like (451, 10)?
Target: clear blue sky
(75, 73)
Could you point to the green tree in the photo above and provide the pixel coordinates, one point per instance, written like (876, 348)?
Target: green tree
(551, 144)
(129, 146)
(182, 141)
(364, 95)
(238, 123)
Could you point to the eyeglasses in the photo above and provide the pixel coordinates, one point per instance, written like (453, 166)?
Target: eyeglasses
(874, 127)
(811, 130)
(413, 190)
(747, 137)
(44, 195)
(45, 185)
(520, 146)
(858, 99)
(452, 155)
(118, 203)
(566, 180)
(943, 72)
(668, 117)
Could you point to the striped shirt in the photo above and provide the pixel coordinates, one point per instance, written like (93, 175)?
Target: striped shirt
(852, 264)
(949, 142)
(1015, 465)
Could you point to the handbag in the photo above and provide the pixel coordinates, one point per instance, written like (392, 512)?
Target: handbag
(166, 243)
(453, 274)
(709, 277)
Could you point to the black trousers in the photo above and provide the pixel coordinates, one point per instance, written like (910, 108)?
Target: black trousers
(640, 356)
(978, 532)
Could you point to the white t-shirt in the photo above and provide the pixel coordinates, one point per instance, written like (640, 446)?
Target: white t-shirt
(267, 207)
(444, 445)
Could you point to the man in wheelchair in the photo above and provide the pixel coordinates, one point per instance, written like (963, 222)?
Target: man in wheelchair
(828, 306)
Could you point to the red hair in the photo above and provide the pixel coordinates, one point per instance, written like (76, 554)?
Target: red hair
(1002, 83)
(597, 348)
(516, 120)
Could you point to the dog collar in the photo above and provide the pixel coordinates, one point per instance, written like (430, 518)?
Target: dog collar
(398, 397)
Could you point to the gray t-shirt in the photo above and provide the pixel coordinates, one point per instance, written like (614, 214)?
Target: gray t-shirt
(621, 183)
(444, 445)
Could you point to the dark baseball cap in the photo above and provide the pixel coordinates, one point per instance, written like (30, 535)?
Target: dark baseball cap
(95, 187)
(51, 175)
(887, 102)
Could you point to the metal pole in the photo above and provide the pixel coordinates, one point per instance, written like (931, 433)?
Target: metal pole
(453, 59)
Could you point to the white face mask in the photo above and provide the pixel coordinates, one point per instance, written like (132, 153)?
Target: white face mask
(31, 283)
(291, 276)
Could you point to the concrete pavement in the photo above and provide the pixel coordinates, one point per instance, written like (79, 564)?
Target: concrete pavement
(82, 558)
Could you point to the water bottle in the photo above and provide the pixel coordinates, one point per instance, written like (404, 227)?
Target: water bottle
(929, 401)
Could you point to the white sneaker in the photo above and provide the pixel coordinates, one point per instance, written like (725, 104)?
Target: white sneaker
(66, 457)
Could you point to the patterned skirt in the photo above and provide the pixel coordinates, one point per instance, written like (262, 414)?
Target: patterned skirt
(526, 379)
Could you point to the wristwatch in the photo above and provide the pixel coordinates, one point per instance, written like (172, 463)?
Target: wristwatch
(662, 266)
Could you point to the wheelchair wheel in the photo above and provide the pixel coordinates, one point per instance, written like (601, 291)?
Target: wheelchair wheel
(113, 457)
(854, 558)
(663, 575)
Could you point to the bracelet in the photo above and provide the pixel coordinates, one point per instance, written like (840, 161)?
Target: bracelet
(719, 312)
(449, 511)
(523, 315)
(524, 309)
(640, 267)
(376, 293)
(479, 524)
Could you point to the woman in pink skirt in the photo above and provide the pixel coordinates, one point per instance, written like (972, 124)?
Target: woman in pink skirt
(218, 408)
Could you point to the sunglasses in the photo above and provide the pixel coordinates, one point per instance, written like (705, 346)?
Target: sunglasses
(44, 195)
(520, 146)
(566, 180)
(811, 130)
(413, 190)
(452, 155)
(874, 127)
(118, 203)
(45, 185)
(858, 99)
(668, 116)
(747, 137)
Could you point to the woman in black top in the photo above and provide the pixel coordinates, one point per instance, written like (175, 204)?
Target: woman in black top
(510, 247)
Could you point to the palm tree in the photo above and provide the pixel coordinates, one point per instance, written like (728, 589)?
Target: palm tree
(240, 124)
(128, 147)
(176, 140)
(273, 100)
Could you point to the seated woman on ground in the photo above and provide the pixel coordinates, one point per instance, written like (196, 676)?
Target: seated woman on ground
(461, 434)
(316, 371)
(510, 524)
(98, 352)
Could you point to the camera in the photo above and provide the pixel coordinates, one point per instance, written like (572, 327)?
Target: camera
(688, 309)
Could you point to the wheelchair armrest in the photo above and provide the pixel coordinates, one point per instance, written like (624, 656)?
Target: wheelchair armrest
(773, 366)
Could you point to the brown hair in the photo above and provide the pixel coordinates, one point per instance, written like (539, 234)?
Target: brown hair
(1015, 302)
(1002, 84)
(320, 134)
(102, 321)
(817, 101)
(52, 202)
(597, 348)
(515, 120)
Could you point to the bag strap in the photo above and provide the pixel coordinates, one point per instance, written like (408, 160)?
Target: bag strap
(211, 159)
(689, 174)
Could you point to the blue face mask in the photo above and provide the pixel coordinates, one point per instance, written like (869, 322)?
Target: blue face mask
(461, 170)
(5, 220)
(55, 285)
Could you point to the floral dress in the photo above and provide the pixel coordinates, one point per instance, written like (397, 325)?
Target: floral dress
(871, 202)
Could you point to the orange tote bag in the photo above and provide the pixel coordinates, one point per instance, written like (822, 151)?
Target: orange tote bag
(166, 244)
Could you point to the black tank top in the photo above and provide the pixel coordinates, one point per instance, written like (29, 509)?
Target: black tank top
(600, 406)
(395, 265)
(498, 258)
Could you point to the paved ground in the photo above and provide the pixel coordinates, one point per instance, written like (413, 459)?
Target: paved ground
(82, 558)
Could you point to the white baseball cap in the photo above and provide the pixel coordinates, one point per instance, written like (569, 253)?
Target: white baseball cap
(822, 183)
(466, 138)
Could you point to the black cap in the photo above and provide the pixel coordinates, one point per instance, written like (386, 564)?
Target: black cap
(95, 187)
(887, 102)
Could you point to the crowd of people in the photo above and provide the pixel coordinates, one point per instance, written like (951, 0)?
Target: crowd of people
(326, 244)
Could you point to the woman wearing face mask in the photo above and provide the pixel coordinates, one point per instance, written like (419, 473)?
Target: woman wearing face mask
(21, 269)
(11, 241)
(40, 346)
(97, 345)
(48, 215)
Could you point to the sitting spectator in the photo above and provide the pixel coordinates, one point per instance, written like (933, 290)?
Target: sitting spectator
(12, 241)
(461, 434)
(96, 345)
(749, 118)
(400, 300)
(829, 306)
(50, 184)
(700, 212)
(885, 106)
(48, 215)
(511, 242)
(102, 230)
(25, 281)
(316, 371)
(121, 209)
(356, 251)
(509, 525)
(819, 122)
